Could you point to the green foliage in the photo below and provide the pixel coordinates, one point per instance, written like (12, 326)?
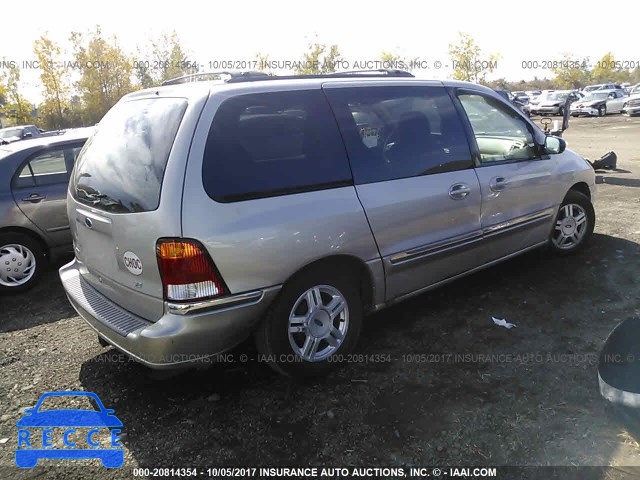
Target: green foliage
(394, 61)
(318, 60)
(105, 73)
(55, 83)
(572, 73)
(468, 63)
(16, 107)
(164, 58)
(262, 63)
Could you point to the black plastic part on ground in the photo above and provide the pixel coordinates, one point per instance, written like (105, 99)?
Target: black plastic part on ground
(619, 364)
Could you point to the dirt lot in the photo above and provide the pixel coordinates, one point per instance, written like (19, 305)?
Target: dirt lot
(537, 403)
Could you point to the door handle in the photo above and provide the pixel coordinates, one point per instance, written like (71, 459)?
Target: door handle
(34, 198)
(497, 184)
(459, 191)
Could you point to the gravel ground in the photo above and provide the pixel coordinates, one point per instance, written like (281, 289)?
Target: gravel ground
(447, 386)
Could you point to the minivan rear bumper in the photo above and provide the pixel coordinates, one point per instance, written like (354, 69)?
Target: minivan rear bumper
(177, 339)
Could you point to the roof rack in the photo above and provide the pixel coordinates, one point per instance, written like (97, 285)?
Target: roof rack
(388, 72)
(207, 76)
(382, 72)
(252, 75)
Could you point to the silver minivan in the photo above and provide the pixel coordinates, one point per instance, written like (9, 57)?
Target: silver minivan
(290, 207)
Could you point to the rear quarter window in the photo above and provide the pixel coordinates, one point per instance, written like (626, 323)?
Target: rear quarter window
(122, 165)
(274, 143)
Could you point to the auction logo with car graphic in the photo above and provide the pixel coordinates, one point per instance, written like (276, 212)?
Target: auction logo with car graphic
(82, 431)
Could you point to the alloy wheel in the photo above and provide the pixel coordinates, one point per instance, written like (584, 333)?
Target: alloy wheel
(318, 323)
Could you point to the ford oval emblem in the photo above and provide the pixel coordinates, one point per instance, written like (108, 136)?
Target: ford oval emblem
(88, 222)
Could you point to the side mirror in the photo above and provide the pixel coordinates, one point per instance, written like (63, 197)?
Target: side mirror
(28, 134)
(553, 145)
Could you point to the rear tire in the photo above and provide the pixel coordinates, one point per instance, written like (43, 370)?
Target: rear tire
(22, 260)
(314, 322)
(573, 226)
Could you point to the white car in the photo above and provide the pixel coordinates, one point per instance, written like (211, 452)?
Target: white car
(632, 105)
(599, 103)
(551, 102)
(601, 86)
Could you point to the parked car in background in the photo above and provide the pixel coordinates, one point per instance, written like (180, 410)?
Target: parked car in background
(34, 175)
(522, 97)
(24, 132)
(532, 94)
(414, 183)
(601, 86)
(508, 96)
(632, 104)
(599, 103)
(634, 89)
(552, 103)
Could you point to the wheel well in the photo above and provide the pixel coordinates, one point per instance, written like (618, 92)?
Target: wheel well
(351, 263)
(582, 188)
(30, 233)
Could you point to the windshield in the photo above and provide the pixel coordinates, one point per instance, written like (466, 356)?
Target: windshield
(635, 90)
(556, 96)
(10, 132)
(596, 96)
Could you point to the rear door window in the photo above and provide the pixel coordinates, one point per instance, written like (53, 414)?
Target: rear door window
(399, 132)
(273, 143)
(50, 167)
(121, 167)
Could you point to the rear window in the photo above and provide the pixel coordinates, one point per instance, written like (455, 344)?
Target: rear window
(121, 167)
(275, 143)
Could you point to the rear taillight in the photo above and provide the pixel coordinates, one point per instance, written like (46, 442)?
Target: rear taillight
(187, 271)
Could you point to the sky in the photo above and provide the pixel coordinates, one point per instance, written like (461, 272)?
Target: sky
(236, 30)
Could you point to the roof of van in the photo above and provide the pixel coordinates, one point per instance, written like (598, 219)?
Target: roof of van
(204, 88)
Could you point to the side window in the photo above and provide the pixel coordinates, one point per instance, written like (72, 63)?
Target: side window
(501, 134)
(48, 168)
(49, 163)
(399, 131)
(274, 143)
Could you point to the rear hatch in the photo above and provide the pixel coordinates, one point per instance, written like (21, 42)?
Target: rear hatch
(125, 193)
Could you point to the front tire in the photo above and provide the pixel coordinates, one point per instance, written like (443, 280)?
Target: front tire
(21, 262)
(602, 110)
(573, 225)
(316, 319)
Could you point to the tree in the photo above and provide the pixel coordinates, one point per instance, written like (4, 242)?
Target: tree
(105, 73)
(318, 60)
(467, 60)
(262, 62)
(15, 103)
(572, 73)
(607, 69)
(163, 59)
(55, 82)
(394, 61)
